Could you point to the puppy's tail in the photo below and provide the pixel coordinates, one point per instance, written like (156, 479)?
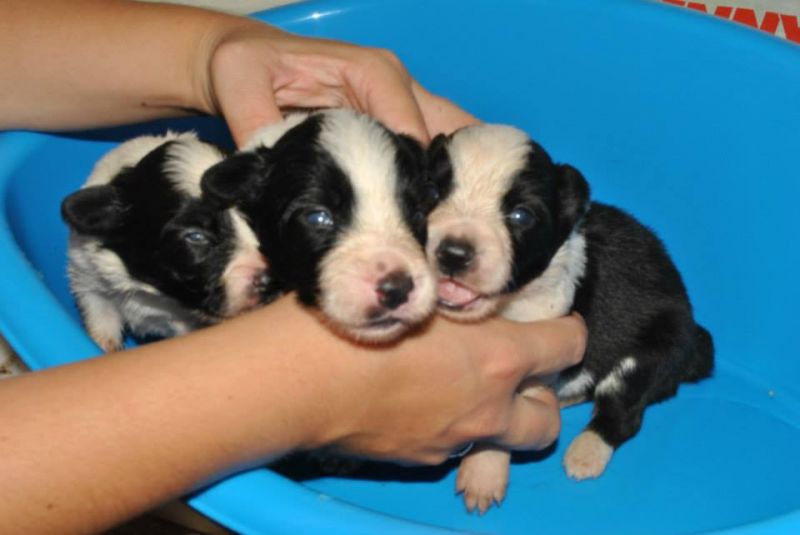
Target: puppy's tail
(701, 362)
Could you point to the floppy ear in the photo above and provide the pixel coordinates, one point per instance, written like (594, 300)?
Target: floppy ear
(96, 210)
(440, 168)
(238, 179)
(410, 153)
(573, 196)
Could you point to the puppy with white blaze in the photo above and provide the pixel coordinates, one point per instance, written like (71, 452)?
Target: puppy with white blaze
(339, 204)
(515, 234)
(148, 255)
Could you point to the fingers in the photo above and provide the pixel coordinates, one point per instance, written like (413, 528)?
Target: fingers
(534, 420)
(242, 89)
(441, 115)
(552, 345)
(383, 85)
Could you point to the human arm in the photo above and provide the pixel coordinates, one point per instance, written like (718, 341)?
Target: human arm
(88, 445)
(88, 63)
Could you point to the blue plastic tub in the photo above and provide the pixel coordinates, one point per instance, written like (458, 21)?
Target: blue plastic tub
(691, 123)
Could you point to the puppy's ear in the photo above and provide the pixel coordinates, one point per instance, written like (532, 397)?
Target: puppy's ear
(410, 154)
(573, 196)
(238, 179)
(440, 168)
(96, 210)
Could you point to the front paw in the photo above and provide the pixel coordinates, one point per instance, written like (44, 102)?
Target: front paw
(483, 478)
(108, 343)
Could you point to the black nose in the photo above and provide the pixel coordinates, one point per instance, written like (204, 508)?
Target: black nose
(454, 256)
(393, 289)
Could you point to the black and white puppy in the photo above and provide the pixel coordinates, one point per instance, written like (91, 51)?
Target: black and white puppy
(516, 234)
(147, 254)
(339, 204)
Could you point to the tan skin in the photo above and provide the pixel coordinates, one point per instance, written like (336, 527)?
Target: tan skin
(88, 445)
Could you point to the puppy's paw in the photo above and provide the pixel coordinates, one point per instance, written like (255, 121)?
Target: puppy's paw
(587, 456)
(483, 478)
(107, 343)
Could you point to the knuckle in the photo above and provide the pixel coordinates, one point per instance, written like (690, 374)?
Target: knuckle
(505, 365)
(383, 59)
(390, 57)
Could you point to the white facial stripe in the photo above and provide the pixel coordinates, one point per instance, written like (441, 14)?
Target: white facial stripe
(246, 239)
(268, 135)
(187, 159)
(126, 155)
(245, 265)
(372, 173)
(485, 160)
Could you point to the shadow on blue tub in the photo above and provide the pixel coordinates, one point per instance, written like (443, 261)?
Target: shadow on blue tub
(690, 123)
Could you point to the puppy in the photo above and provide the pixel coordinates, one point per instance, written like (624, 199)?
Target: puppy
(338, 203)
(147, 254)
(515, 234)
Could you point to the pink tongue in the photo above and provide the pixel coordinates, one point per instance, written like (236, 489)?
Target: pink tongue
(455, 294)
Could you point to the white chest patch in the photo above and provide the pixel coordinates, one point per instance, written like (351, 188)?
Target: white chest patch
(552, 293)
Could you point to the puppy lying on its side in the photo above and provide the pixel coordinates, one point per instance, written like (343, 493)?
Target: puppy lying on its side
(516, 234)
(338, 204)
(147, 254)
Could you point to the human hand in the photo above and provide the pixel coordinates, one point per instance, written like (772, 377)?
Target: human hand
(455, 384)
(253, 71)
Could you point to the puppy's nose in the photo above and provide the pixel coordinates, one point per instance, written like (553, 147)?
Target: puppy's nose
(393, 289)
(454, 256)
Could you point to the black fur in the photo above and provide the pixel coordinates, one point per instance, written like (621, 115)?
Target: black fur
(635, 304)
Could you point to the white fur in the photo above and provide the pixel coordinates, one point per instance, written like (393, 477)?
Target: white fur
(483, 477)
(268, 135)
(578, 386)
(551, 294)
(187, 160)
(128, 154)
(613, 382)
(587, 456)
(246, 263)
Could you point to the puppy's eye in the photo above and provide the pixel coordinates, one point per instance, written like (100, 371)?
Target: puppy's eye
(195, 237)
(521, 217)
(419, 219)
(320, 218)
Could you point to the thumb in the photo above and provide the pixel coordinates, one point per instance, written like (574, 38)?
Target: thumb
(551, 345)
(242, 90)
(247, 108)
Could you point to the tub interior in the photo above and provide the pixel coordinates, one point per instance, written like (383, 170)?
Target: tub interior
(689, 123)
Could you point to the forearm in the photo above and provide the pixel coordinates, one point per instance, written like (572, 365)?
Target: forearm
(86, 63)
(105, 439)
(88, 445)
